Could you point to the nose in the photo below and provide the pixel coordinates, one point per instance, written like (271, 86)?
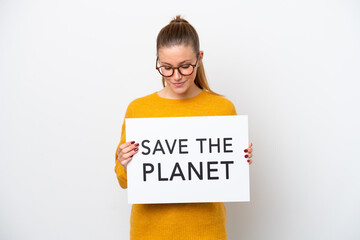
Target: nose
(177, 75)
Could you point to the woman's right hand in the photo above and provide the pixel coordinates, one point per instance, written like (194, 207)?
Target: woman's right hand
(126, 152)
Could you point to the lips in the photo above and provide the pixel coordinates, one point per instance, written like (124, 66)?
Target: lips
(178, 84)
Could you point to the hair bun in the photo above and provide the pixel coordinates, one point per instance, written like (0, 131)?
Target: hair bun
(178, 19)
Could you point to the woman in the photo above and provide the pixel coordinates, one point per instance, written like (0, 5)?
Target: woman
(185, 93)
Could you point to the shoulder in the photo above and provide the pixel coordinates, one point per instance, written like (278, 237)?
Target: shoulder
(141, 102)
(220, 101)
(217, 99)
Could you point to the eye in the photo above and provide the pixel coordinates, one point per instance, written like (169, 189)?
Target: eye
(185, 66)
(167, 68)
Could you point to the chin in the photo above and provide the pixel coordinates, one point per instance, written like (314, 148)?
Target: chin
(179, 91)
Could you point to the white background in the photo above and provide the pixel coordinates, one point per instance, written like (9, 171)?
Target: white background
(68, 70)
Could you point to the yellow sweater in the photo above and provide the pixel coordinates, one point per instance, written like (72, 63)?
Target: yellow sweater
(183, 221)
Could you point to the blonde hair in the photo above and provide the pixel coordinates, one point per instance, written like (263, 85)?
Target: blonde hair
(180, 32)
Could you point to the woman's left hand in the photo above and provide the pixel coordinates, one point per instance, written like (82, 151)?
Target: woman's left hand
(248, 152)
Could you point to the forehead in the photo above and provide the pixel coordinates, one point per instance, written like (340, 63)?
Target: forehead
(176, 54)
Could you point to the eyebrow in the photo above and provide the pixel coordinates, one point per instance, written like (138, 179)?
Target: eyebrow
(188, 60)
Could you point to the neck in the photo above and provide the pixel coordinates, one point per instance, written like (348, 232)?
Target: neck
(166, 92)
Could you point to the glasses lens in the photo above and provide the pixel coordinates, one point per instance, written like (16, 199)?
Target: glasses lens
(166, 71)
(186, 70)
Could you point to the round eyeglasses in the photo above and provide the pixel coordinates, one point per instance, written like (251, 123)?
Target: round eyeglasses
(185, 70)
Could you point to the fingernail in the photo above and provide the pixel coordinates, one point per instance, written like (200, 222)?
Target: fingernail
(245, 150)
(248, 160)
(246, 156)
(136, 149)
(132, 142)
(136, 145)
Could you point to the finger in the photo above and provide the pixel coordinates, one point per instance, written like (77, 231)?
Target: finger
(123, 147)
(248, 150)
(249, 161)
(127, 152)
(129, 148)
(249, 155)
(131, 153)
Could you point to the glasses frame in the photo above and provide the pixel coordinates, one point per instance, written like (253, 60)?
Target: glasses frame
(178, 68)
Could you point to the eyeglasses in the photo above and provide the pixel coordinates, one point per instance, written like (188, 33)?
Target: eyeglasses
(185, 70)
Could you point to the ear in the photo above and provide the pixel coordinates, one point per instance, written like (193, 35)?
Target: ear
(201, 56)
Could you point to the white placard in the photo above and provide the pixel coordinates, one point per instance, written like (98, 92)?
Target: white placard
(188, 159)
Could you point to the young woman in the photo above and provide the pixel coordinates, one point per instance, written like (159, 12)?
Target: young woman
(185, 93)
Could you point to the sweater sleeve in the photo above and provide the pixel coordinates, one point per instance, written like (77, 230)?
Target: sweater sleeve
(119, 169)
(233, 110)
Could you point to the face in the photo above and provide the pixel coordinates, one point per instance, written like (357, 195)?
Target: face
(175, 56)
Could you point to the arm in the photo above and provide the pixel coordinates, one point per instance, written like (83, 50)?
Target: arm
(119, 169)
(249, 150)
(124, 153)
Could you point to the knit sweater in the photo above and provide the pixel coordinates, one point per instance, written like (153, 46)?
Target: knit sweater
(185, 221)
